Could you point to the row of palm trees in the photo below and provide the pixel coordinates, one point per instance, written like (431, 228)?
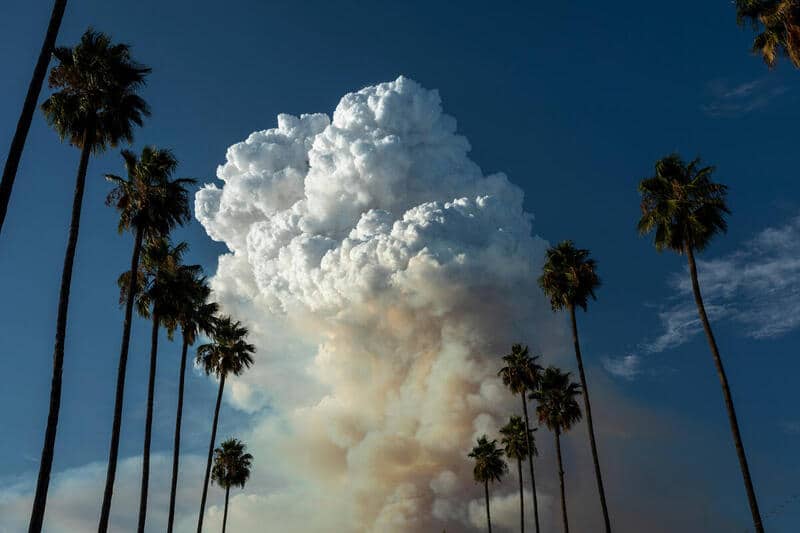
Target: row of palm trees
(557, 408)
(96, 105)
(684, 209)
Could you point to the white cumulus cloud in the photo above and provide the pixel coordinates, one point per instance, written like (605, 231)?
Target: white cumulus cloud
(405, 271)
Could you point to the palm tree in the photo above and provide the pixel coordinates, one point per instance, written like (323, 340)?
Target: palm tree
(569, 279)
(516, 443)
(195, 316)
(228, 353)
(95, 106)
(520, 375)
(231, 469)
(28, 107)
(559, 411)
(686, 209)
(156, 300)
(779, 22)
(151, 204)
(489, 466)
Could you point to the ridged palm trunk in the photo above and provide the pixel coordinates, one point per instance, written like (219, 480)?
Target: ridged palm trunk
(488, 513)
(564, 519)
(177, 447)
(113, 453)
(25, 118)
(225, 514)
(48, 449)
(521, 499)
(148, 424)
(210, 454)
(726, 392)
(530, 461)
(589, 424)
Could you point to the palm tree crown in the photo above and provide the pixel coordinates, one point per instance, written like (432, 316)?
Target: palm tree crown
(521, 372)
(569, 276)
(489, 463)
(682, 205)
(149, 199)
(96, 84)
(231, 464)
(194, 312)
(514, 441)
(779, 23)
(558, 407)
(228, 353)
(160, 281)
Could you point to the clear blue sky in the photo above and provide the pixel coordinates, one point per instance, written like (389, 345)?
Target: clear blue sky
(573, 100)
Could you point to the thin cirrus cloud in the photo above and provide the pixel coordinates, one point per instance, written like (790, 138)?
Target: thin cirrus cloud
(755, 287)
(732, 101)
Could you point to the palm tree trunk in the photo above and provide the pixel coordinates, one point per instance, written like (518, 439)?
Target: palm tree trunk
(588, 408)
(561, 482)
(177, 447)
(521, 499)
(488, 514)
(225, 514)
(148, 424)
(210, 454)
(48, 449)
(116, 427)
(530, 461)
(726, 392)
(25, 118)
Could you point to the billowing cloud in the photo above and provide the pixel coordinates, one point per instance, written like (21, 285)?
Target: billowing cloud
(405, 270)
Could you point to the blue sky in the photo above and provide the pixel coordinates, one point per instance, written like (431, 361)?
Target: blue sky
(573, 101)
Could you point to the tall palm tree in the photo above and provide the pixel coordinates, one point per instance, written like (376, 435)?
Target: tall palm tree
(28, 107)
(489, 467)
(228, 353)
(779, 23)
(195, 316)
(569, 279)
(686, 209)
(95, 105)
(156, 300)
(516, 443)
(559, 411)
(231, 469)
(151, 204)
(520, 375)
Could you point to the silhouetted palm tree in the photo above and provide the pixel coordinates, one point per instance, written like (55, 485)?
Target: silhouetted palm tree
(489, 467)
(516, 441)
(779, 23)
(559, 411)
(156, 300)
(569, 279)
(228, 353)
(95, 105)
(520, 375)
(195, 316)
(28, 107)
(231, 469)
(150, 204)
(686, 209)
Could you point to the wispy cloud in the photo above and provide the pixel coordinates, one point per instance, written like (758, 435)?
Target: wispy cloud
(737, 100)
(757, 287)
(791, 427)
(628, 366)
